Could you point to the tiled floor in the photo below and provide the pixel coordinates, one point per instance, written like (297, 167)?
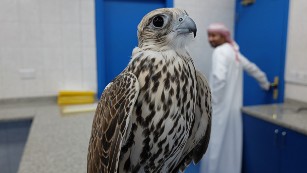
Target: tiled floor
(13, 137)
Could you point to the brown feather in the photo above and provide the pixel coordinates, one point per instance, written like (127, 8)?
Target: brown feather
(110, 123)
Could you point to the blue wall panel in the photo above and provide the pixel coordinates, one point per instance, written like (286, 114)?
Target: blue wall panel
(101, 64)
(261, 32)
(121, 20)
(116, 34)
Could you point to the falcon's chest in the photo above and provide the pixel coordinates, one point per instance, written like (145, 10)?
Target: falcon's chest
(165, 80)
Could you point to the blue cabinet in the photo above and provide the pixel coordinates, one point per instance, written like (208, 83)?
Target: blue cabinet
(13, 137)
(293, 152)
(269, 148)
(260, 151)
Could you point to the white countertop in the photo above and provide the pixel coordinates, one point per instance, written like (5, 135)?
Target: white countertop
(291, 115)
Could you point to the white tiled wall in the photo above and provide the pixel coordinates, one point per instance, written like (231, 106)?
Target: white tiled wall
(55, 38)
(296, 66)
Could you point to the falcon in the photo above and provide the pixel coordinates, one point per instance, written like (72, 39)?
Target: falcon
(155, 116)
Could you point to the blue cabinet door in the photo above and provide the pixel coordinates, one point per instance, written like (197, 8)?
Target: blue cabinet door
(261, 153)
(294, 152)
(261, 32)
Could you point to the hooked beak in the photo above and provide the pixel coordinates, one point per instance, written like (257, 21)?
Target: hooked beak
(186, 25)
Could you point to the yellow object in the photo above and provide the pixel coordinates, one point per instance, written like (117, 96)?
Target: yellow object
(75, 100)
(76, 97)
(76, 93)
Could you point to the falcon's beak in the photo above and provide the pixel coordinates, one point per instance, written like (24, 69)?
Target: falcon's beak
(186, 25)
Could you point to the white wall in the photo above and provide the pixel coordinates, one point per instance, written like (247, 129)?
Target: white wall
(203, 13)
(54, 40)
(296, 64)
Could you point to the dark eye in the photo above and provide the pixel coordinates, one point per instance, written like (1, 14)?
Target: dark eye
(158, 21)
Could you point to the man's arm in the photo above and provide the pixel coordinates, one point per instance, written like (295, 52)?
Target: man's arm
(255, 72)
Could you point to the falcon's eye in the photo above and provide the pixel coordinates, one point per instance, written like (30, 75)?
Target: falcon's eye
(158, 21)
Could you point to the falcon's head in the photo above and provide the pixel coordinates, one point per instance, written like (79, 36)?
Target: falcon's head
(166, 28)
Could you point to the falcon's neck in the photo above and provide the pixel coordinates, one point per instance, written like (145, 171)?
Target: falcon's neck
(170, 42)
(165, 52)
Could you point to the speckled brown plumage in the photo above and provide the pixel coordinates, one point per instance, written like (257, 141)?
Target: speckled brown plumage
(110, 123)
(156, 115)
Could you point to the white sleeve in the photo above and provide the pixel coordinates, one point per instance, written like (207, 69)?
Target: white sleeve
(255, 72)
(218, 76)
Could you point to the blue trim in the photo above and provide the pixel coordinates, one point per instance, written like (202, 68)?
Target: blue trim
(101, 64)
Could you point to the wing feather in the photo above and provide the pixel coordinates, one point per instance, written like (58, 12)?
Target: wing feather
(110, 123)
(198, 141)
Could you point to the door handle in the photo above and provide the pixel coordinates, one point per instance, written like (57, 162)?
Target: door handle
(274, 86)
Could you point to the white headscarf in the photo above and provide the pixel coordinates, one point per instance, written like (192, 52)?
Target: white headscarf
(224, 31)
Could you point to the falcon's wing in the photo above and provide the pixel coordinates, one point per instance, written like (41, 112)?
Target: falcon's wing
(198, 140)
(110, 123)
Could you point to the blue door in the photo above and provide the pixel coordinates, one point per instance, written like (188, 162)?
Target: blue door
(261, 32)
(116, 33)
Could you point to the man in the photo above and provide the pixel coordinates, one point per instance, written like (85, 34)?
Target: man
(224, 154)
